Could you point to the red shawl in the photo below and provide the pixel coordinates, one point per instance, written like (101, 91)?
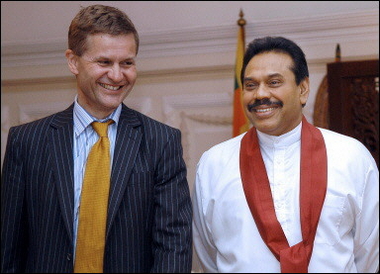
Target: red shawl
(294, 259)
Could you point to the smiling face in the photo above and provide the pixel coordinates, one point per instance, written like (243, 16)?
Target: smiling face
(272, 99)
(105, 73)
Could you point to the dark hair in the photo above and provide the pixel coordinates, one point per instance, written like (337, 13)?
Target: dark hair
(278, 44)
(98, 19)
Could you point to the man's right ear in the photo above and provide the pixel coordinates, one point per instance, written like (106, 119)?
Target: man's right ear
(72, 61)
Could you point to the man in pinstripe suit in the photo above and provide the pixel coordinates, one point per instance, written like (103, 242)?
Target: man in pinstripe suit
(149, 211)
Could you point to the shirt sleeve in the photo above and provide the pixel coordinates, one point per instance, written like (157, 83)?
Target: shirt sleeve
(367, 224)
(202, 236)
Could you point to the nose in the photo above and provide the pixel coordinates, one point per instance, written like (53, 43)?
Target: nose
(262, 92)
(115, 73)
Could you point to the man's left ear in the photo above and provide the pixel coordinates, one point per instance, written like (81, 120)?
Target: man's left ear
(304, 90)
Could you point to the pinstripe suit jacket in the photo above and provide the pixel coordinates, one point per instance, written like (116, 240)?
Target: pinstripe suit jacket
(149, 212)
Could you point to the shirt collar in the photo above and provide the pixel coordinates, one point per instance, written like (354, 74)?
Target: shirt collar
(82, 119)
(283, 140)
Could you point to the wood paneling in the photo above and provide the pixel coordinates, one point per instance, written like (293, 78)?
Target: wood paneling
(354, 101)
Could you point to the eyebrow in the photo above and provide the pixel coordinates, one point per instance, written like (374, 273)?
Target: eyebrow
(275, 75)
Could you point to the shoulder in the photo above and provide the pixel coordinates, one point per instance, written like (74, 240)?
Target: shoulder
(153, 131)
(218, 168)
(346, 149)
(147, 122)
(335, 140)
(151, 122)
(39, 125)
(220, 154)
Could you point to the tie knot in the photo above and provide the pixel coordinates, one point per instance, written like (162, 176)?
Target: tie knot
(101, 128)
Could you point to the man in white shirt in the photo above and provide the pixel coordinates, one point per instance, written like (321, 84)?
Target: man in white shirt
(285, 196)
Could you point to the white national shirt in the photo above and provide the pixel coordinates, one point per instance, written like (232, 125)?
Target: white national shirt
(226, 238)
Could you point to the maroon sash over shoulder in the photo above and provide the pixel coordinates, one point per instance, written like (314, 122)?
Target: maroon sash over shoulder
(294, 259)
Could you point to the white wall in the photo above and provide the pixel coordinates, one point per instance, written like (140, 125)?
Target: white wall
(186, 57)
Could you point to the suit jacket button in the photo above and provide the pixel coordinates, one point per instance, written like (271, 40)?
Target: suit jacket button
(69, 256)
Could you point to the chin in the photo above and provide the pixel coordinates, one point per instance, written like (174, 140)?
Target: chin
(112, 102)
(266, 127)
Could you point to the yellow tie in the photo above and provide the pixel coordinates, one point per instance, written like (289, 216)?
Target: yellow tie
(93, 206)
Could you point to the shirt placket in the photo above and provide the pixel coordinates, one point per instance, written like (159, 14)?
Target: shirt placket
(280, 187)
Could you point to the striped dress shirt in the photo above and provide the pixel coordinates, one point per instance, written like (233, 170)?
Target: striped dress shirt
(84, 138)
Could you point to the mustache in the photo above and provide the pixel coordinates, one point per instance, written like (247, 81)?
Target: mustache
(264, 101)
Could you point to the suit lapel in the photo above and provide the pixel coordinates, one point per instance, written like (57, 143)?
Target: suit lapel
(127, 145)
(61, 140)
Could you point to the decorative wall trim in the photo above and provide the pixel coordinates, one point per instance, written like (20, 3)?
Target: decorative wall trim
(142, 104)
(362, 25)
(179, 110)
(174, 105)
(211, 119)
(31, 112)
